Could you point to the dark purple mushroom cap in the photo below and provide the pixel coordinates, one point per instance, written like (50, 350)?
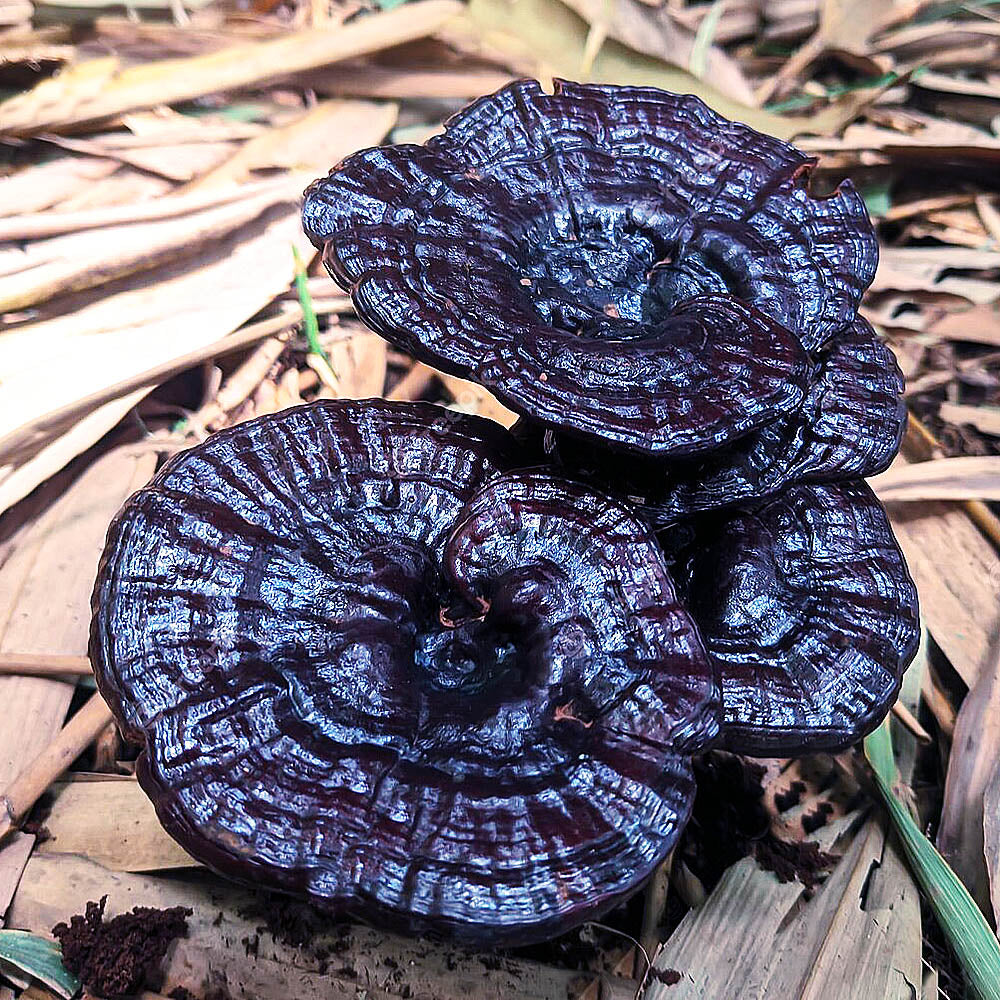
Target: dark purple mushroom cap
(366, 670)
(809, 614)
(849, 426)
(596, 257)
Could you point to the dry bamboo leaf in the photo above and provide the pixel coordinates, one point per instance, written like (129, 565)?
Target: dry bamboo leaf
(654, 33)
(980, 325)
(36, 188)
(16, 12)
(164, 125)
(112, 823)
(49, 575)
(112, 339)
(977, 325)
(844, 27)
(414, 383)
(927, 42)
(975, 751)
(372, 80)
(126, 186)
(858, 936)
(985, 419)
(84, 260)
(935, 141)
(930, 269)
(957, 573)
(990, 215)
(359, 364)
(14, 856)
(946, 83)
(472, 398)
(226, 917)
(545, 38)
(101, 88)
(311, 144)
(17, 481)
(40, 224)
(172, 161)
(58, 421)
(971, 477)
(991, 837)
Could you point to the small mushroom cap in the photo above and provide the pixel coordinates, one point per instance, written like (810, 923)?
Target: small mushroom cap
(569, 250)
(849, 426)
(366, 670)
(809, 614)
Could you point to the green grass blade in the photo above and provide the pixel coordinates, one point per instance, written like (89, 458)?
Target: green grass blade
(39, 958)
(703, 39)
(970, 936)
(310, 324)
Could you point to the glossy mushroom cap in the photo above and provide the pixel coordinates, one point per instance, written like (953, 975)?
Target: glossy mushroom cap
(809, 615)
(368, 667)
(849, 426)
(617, 262)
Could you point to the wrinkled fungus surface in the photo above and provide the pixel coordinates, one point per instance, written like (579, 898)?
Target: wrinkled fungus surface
(617, 262)
(808, 613)
(370, 666)
(848, 427)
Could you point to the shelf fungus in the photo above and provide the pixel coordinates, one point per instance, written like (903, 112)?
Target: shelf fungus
(421, 670)
(809, 615)
(368, 664)
(849, 426)
(616, 262)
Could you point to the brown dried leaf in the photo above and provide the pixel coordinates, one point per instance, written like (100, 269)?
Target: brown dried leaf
(113, 823)
(957, 573)
(975, 751)
(105, 342)
(859, 936)
(233, 948)
(310, 145)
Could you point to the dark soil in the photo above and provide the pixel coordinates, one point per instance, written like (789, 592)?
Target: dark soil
(293, 922)
(123, 955)
(730, 821)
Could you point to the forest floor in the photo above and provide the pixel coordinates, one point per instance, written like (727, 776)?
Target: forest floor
(152, 160)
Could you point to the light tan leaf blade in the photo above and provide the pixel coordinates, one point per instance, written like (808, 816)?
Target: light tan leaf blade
(100, 88)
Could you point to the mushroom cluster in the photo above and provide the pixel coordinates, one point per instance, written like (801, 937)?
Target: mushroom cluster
(421, 669)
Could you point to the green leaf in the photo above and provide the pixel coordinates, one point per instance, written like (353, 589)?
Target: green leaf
(970, 936)
(39, 958)
(310, 324)
(704, 37)
(878, 198)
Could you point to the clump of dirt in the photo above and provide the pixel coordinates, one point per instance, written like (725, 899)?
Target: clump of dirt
(669, 977)
(730, 821)
(123, 955)
(296, 923)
